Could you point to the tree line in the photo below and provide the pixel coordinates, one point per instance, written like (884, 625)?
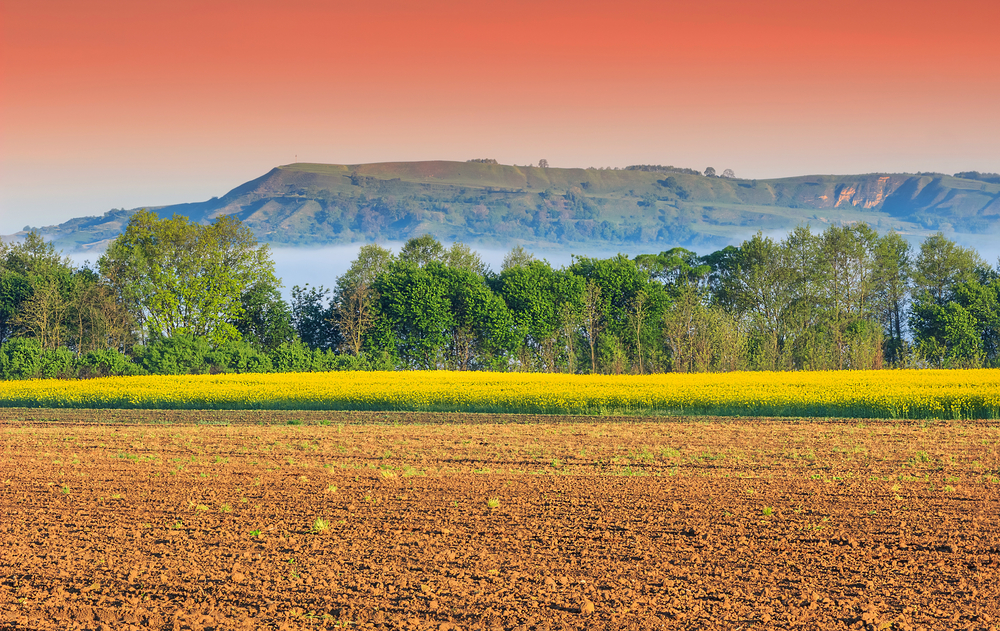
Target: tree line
(172, 297)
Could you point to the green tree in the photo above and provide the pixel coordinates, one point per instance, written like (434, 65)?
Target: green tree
(313, 318)
(481, 327)
(893, 270)
(620, 281)
(185, 278)
(355, 303)
(676, 267)
(847, 271)
(41, 316)
(941, 265)
(543, 303)
(420, 251)
(33, 277)
(516, 257)
(756, 281)
(415, 315)
(266, 319)
(592, 319)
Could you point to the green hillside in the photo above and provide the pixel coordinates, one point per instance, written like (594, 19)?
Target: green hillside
(503, 205)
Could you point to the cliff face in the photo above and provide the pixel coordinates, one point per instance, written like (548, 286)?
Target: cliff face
(502, 205)
(868, 194)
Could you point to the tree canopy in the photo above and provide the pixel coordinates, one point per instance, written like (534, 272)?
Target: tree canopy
(181, 278)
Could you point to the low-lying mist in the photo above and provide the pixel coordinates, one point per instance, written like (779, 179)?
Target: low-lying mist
(322, 266)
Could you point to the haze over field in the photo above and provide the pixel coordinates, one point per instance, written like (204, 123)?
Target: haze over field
(114, 104)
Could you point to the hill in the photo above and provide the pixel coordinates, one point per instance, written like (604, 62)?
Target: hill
(503, 205)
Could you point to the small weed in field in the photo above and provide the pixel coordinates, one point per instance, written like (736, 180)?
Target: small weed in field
(949, 488)
(768, 511)
(255, 533)
(951, 478)
(65, 490)
(225, 508)
(668, 453)
(492, 502)
(387, 473)
(410, 471)
(294, 421)
(331, 489)
(201, 508)
(644, 455)
(320, 525)
(323, 422)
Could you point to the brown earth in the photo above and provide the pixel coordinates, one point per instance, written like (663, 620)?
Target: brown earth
(177, 520)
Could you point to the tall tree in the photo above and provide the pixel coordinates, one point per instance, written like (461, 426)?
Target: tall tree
(941, 265)
(26, 268)
(312, 318)
(541, 301)
(266, 319)
(185, 278)
(42, 315)
(892, 286)
(355, 315)
(592, 319)
(422, 250)
(758, 283)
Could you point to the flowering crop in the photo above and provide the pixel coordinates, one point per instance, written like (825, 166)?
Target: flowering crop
(861, 394)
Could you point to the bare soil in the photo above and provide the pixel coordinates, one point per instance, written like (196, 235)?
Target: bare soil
(268, 520)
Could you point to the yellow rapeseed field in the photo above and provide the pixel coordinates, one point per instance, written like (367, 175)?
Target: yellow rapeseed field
(861, 394)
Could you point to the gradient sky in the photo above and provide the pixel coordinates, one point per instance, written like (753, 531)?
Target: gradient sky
(119, 103)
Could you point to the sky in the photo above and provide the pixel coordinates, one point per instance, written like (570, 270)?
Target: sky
(116, 103)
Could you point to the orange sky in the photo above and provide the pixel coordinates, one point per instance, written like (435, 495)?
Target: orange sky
(109, 103)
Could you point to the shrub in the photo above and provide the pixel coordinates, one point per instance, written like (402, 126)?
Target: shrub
(238, 356)
(175, 355)
(106, 362)
(327, 361)
(57, 363)
(291, 357)
(20, 358)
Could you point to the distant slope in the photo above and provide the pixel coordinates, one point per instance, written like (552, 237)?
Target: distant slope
(503, 205)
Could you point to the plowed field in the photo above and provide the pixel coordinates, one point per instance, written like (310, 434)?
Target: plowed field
(190, 520)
